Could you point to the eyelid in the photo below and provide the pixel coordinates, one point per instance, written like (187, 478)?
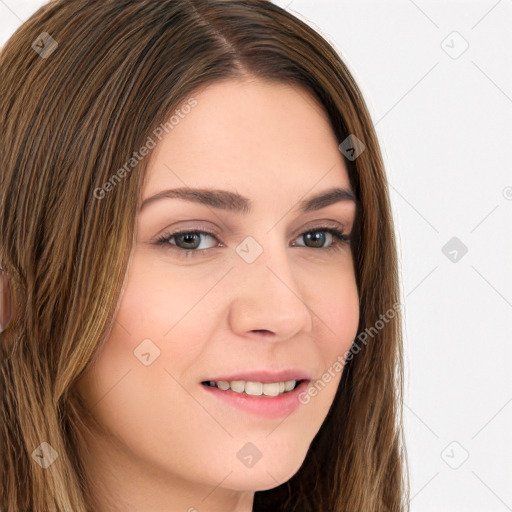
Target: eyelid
(319, 224)
(178, 231)
(313, 225)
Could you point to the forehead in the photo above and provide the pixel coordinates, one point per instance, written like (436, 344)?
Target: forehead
(251, 136)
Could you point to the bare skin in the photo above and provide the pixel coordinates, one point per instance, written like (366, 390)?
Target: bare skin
(173, 445)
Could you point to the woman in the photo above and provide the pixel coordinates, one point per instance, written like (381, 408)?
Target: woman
(196, 229)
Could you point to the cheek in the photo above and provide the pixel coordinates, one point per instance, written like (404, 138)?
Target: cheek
(156, 300)
(335, 310)
(341, 318)
(143, 406)
(154, 337)
(164, 305)
(337, 324)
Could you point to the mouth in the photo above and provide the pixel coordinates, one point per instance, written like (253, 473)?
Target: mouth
(266, 393)
(255, 388)
(271, 397)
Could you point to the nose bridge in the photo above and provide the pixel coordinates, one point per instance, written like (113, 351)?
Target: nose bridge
(267, 296)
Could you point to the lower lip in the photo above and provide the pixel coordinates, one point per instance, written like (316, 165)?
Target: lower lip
(263, 406)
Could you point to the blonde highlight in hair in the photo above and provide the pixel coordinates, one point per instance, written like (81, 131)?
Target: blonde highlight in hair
(68, 123)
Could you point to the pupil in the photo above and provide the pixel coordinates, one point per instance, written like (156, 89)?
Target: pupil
(189, 239)
(319, 236)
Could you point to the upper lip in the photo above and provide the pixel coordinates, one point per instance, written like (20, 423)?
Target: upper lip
(265, 375)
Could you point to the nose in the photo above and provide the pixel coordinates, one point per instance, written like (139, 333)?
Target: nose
(267, 299)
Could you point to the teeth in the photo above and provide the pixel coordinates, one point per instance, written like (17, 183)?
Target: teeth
(237, 385)
(289, 385)
(255, 388)
(271, 389)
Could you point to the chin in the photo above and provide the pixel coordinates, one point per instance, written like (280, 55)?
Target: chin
(264, 476)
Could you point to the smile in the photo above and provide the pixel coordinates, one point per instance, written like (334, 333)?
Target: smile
(254, 388)
(271, 400)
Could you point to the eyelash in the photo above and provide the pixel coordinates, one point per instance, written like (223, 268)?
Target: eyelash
(340, 241)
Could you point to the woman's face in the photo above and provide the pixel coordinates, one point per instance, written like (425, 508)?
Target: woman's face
(253, 297)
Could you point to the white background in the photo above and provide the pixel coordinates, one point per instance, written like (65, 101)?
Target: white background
(444, 122)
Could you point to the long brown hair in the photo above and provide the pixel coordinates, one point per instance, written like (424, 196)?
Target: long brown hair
(73, 110)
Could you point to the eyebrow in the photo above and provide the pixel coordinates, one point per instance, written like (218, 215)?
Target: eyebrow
(233, 201)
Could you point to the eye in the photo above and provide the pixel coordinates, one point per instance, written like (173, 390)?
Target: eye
(319, 236)
(188, 243)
